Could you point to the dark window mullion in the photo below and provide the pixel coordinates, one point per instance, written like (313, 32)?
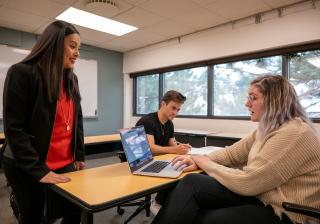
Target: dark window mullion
(134, 96)
(210, 91)
(161, 87)
(285, 66)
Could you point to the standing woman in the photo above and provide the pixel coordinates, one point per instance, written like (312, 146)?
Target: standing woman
(43, 121)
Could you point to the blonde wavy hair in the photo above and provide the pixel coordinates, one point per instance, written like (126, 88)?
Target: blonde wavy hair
(281, 103)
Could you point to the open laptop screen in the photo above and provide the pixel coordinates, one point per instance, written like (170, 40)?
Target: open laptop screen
(136, 147)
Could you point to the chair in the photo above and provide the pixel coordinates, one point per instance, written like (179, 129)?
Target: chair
(142, 204)
(305, 210)
(14, 205)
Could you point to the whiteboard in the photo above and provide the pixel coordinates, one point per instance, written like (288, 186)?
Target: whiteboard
(86, 71)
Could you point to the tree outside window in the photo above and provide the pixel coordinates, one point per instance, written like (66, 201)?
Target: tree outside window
(147, 94)
(304, 74)
(193, 83)
(231, 81)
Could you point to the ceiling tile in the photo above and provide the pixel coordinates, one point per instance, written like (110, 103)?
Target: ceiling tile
(64, 2)
(94, 35)
(200, 19)
(203, 2)
(143, 36)
(157, 20)
(15, 26)
(88, 42)
(114, 47)
(121, 44)
(45, 8)
(169, 8)
(302, 7)
(138, 17)
(279, 3)
(169, 29)
(40, 29)
(235, 9)
(3, 2)
(26, 21)
(135, 2)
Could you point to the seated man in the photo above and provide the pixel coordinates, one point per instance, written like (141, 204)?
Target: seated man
(159, 127)
(160, 133)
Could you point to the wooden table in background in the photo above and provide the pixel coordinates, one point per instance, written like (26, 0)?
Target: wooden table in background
(102, 143)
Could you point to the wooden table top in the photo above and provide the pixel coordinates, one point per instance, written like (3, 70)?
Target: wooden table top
(107, 183)
(101, 138)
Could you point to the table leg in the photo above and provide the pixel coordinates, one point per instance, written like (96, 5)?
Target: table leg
(86, 217)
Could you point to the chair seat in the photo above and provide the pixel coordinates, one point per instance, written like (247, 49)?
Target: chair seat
(142, 204)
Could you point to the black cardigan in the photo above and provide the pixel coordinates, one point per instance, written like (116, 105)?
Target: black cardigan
(29, 118)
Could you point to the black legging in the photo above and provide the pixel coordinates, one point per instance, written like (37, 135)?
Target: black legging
(201, 199)
(30, 196)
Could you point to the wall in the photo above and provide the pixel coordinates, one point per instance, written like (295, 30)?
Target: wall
(296, 26)
(110, 82)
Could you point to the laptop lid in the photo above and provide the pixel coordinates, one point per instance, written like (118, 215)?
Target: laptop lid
(136, 147)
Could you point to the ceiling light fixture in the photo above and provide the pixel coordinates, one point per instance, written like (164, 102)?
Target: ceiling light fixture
(95, 22)
(104, 8)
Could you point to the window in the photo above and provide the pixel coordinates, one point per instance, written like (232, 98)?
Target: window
(231, 81)
(193, 83)
(218, 88)
(147, 90)
(304, 74)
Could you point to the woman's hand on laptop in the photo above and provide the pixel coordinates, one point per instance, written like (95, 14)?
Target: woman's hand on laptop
(200, 160)
(180, 161)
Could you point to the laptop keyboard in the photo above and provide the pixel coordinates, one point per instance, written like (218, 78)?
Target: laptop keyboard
(156, 167)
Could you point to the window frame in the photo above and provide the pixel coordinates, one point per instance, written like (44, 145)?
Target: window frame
(284, 52)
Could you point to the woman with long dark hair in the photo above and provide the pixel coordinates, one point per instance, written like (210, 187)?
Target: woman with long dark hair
(43, 121)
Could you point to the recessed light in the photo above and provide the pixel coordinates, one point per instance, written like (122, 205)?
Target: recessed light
(95, 22)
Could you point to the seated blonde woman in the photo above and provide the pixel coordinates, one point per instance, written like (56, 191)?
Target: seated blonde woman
(281, 162)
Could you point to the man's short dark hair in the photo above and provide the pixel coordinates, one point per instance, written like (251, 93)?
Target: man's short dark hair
(173, 95)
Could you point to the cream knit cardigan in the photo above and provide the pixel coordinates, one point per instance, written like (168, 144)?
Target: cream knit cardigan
(284, 166)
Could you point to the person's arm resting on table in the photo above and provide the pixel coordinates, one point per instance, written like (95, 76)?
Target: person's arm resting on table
(172, 148)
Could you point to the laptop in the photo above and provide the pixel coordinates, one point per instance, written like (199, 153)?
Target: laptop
(139, 156)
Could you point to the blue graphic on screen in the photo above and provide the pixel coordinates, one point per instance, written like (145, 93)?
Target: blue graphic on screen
(136, 146)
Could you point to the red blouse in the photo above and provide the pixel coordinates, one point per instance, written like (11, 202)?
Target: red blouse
(60, 149)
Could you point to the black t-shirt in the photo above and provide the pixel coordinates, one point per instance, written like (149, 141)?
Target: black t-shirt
(161, 132)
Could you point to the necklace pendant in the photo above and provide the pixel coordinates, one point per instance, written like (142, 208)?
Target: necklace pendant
(68, 128)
